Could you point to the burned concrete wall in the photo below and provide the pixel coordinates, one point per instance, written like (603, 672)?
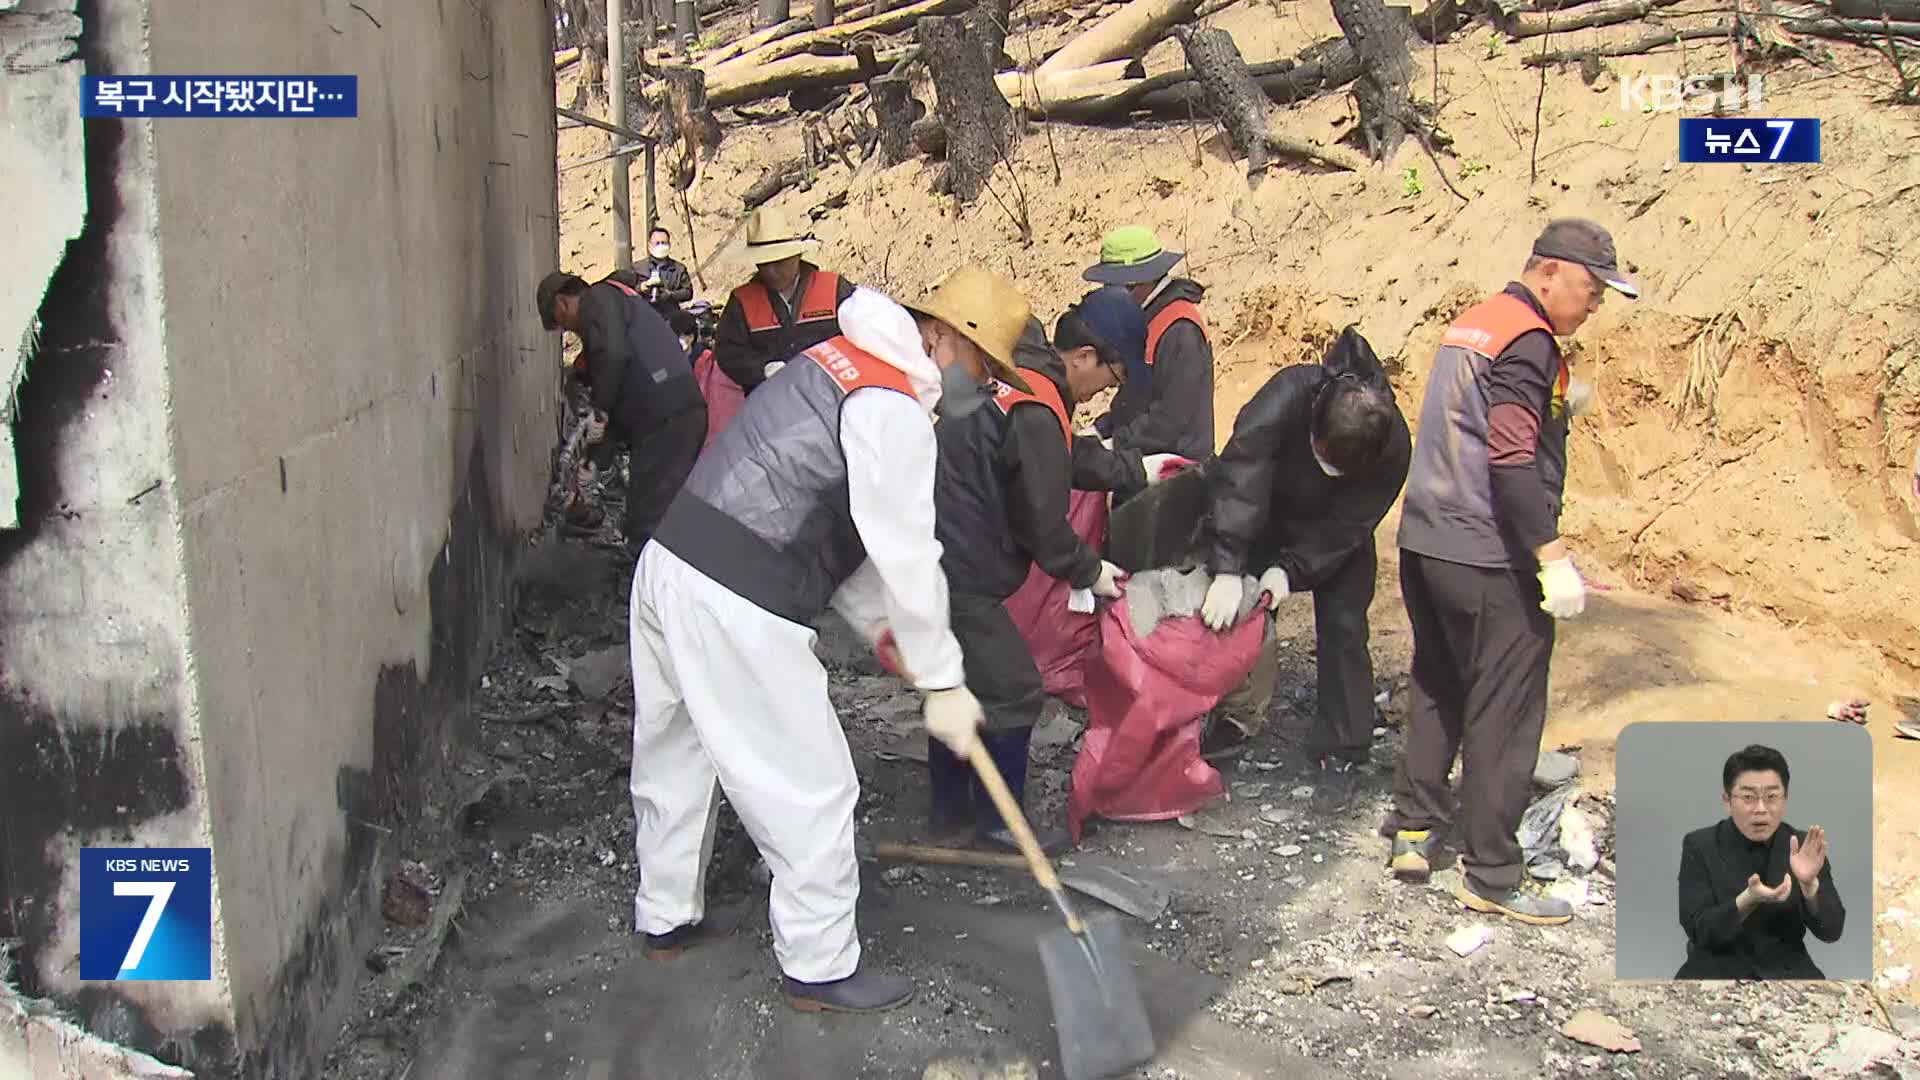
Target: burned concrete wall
(41, 151)
(290, 413)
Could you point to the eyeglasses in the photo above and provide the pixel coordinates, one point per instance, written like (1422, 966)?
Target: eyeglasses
(1751, 799)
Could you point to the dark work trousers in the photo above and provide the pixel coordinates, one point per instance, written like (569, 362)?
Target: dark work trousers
(658, 461)
(1001, 673)
(1343, 711)
(1481, 646)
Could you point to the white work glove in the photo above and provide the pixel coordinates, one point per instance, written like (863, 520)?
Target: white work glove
(1564, 595)
(1108, 584)
(1163, 466)
(954, 717)
(1273, 585)
(1580, 397)
(1223, 601)
(596, 427)
(773, 368)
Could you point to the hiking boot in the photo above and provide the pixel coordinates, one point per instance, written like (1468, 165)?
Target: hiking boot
(1413, 852)
(861, 992)
(1054, 842)
(1339, 778)
(671, 944)
(1521, 904)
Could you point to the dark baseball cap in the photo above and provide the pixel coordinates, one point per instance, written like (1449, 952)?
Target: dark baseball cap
(1115, 318)
(543, 297)
(1578, 240)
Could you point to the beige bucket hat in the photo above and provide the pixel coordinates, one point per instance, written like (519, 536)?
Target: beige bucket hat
(773, 236)
(987, 310)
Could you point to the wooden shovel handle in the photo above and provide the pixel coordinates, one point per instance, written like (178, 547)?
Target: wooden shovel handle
(1016, 820)
(945, 856)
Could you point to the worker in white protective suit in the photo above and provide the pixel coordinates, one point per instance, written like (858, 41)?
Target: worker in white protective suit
(820, 492)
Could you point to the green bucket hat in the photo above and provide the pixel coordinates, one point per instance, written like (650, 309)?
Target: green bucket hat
(1131, 255)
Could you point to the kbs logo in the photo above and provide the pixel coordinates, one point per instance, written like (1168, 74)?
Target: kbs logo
(146, 913)
(1691, 93)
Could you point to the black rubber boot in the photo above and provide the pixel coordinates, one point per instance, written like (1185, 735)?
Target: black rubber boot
(679, 939)
(1008, 749)
(950, 781)
(863, 991)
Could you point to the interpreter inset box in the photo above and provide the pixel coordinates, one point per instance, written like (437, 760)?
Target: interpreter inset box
(1744, 851)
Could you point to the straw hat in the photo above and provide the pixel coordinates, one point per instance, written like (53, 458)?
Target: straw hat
(987, 310)
(772, 237)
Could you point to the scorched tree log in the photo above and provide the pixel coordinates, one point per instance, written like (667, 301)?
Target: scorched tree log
(1379, 39)
(895, 108)
(977, 119)
(1231, 95)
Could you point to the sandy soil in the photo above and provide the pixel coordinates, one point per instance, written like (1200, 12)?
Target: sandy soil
(1740, 491)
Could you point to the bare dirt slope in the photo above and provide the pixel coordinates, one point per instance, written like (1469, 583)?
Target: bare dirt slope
(1739, 490)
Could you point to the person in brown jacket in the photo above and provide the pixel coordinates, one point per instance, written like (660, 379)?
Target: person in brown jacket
(1484, 570)
(788, 307)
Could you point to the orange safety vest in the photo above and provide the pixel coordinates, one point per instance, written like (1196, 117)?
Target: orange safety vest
(818, 302)
(1006, 397)
(853, 368)
(1177, 311)
(1487, 328)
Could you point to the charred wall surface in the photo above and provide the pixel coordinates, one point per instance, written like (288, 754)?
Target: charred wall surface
(288, 416)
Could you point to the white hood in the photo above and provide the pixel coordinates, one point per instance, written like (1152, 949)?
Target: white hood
(875, 323)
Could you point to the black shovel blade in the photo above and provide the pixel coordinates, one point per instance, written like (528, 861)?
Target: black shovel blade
(1097, 1009)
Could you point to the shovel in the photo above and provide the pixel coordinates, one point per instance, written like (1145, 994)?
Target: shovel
(1097, 1010)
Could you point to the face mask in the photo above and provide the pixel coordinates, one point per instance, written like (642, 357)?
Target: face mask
(960, 393)
(660, 251)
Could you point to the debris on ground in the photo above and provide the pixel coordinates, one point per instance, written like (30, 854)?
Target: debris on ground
(1594, 1028)
(1540, 834)
(1468, 939)
(1554, 768)
(1852, 710)
(598, 674)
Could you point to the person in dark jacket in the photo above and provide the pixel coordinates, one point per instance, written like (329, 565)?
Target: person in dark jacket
(665, 282)
(789, 306)
(1097, 466)
(1001, 498)
(1316, 459)
(1752, 887)
(643, 391)
(1484, 572)
(1171, 412)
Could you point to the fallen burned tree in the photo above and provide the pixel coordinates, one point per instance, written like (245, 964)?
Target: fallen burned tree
(1125, 34)
(837, 35)
(1528, 24)
(1232, 96)
(795, 73)
(1177, 94)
